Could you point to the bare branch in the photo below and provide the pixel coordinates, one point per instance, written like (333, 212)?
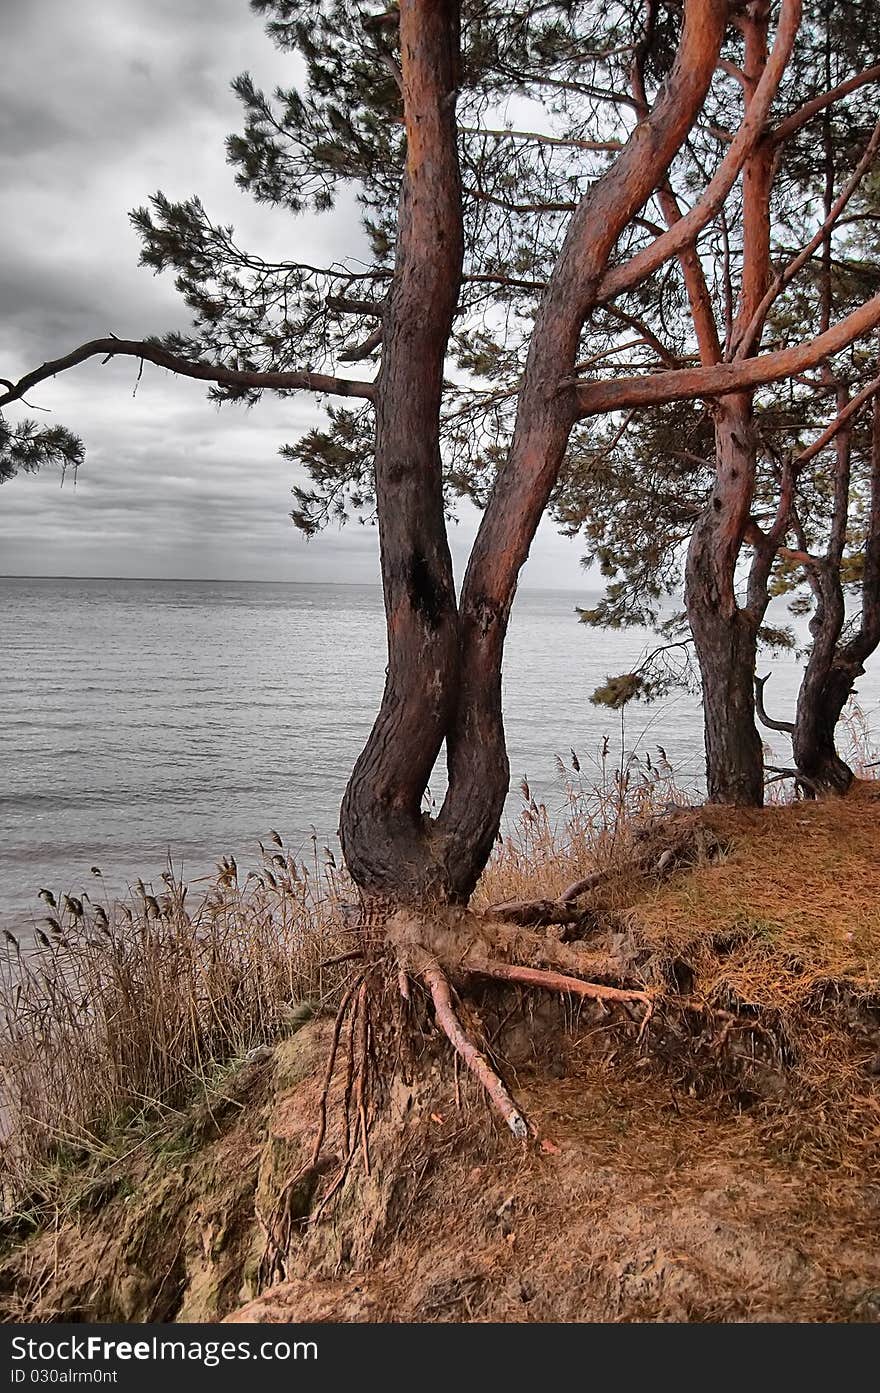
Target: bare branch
(363, 350)
(184, 367)
(342, 304)
(664, 353)
(695, 284)
(537, 138)
(795, 774)
(786, 726)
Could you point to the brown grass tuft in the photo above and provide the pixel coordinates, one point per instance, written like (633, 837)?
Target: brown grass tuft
(119, 1011)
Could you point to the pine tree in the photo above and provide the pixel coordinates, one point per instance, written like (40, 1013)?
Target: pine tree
(789, 252)
(508, 272)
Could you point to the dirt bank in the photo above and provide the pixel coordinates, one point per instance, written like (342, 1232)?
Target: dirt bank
(719, 1165)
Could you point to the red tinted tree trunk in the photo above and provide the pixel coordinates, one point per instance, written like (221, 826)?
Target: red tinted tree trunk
(725, 635)
(820, 703)
(387, 843)
(444, 671)
(477, 758)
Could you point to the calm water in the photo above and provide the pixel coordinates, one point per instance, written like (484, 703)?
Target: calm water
(142, 717)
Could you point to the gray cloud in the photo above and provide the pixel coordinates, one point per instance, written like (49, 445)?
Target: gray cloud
(102, 103)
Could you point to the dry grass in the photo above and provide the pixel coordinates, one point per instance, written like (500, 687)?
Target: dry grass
(604, 804)
(765, 956)
(800, 883)
(716, 1167)
(120, 1010)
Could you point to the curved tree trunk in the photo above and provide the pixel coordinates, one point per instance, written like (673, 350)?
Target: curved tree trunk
(725, 635)
(820, 704)
(478, 768)
(385, 838)
(444, 670)
(834, 667)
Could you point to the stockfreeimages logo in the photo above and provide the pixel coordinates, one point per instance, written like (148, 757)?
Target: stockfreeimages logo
(97, 1348)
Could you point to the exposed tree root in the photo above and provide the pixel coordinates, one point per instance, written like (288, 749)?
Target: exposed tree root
(656, 851)
(442, 950)
(545, 979)
(539, 912)
(556, 982)
(475, 1060)
(294, 1203)
(543, 952)
(534, 912)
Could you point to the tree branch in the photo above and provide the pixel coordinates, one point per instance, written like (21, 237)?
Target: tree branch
(786, 726)
(363, 350)
(812, 108)
(476, 756)
(594, 399)
(664, 353)
(343, 304)
(753, 328)
(205, 372)
(536, 137)
(685, 232)
(853, 405)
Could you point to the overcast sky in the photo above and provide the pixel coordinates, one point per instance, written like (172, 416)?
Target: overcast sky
(102, 103)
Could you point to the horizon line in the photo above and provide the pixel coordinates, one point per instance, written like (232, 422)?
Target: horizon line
(247, 580)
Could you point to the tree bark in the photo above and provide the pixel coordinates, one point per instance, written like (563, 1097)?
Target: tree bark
(834, 667)
(386, 840)
(820, 703)
(725, 635)
(477, 757)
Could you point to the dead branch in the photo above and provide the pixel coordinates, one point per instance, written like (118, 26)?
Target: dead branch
(537, 138)
(344, 304)
(581, 887)
(787, 726)
(533, 913)
(795, 774)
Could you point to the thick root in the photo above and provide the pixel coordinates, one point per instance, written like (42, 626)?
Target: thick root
(534, 913)
(438, 983)
(436, 951)
(556, 982)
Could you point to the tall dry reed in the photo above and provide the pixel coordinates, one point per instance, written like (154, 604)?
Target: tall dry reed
(121, 1008)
